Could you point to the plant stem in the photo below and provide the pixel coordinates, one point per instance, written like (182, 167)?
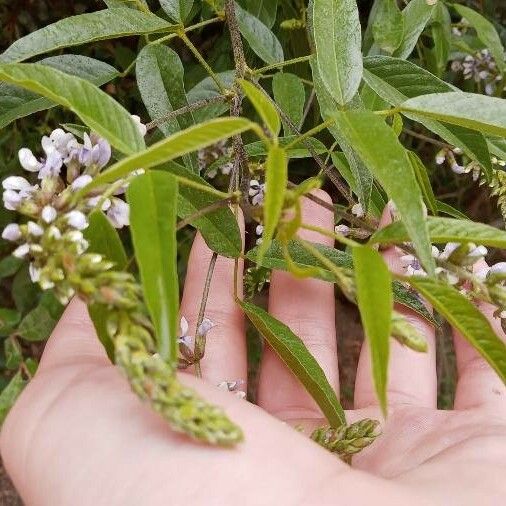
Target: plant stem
(323, 231)
(194, 106)
(427, 139)
(282, 64)
(307, 108)
(203, 212)
(310, 133)
(202, 187)
(196, 26)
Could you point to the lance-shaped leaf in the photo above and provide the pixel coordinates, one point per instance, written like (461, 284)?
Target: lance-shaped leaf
(104, 240)
(388, 25)
(177, 10)
(442, 230)
(274, 258)
(96, 109)
(84, 28)
(264, 10)
(175, 146)
(10, 393)
(292, 351)
(153, 210)
(219, 228)
(263, 106)
(423, 181)
(290, 96)
(38, 324)
(160, 78)
(16, 102)
(486, 33)
(392, 168)
(337, 37)
(477, 112)
(375, 301)
(259, 37)
(276, 180)
(416, 16)
(397, 80)
(464, 316)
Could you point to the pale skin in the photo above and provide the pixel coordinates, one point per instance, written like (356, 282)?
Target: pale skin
(78, 436)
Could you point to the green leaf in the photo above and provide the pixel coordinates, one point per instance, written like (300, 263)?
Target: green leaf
(423, 181)
(276, 180)
(24, 291)
(388, 25)
(259, 37)
(441, 28)
(105, 241)
(9, 318)
(264, 10)
(293, 352)
(477, 112)
(179, 144)
(177, 10)
(84, 28)
(153, 207)
(219, 228)
(97, 109)
(391, 166)
(13, 353)
(337, 37)
(16, 102)
(445, 208)
(442, 230)
(397, 80)
(290, 96)
(38, 324)
(462, 314)
(299, 150)
(263, 106)
(416, 16)
(274, 259)
(375, 301)
(10, 394)
(9, 266)
(160, 78)
(328, 106)
(486, 33)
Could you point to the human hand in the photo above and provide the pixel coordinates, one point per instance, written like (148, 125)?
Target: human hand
(79, 436)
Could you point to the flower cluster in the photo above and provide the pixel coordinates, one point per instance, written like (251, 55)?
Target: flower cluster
(482, 68)
(211, 160)
(256, 192)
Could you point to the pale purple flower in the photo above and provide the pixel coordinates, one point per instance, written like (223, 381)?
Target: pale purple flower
(256, 192)
(94, 201)
(52, 165)
(21, 251)
(34, 273)
(119, 213)
(28, 161)
(343, 230)
(11, 232)
(34, 229)
(95, 151)
(205, 327)
(358, 211)
(77, 220)
(184, 338)
(81, 182)
(49, 214)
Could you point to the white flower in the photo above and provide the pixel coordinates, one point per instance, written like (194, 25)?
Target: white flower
(499, 268)
(449, 249)
(477, 253)
(358, 211)
(11, 232)
(21, 251)
(412, 265)
(54, 233)
(257, 192)
(184, 338)
(139, 124)
(49, 214)
(81, 181)
(52, 165)
(28, 161)
(342, 230)
(95, 151)
(35, 229)
(94, 201)
(233, 386)
(119, 213)
(441, 157)
(77, 220)
(205, 327)
(259, 230)
(11, 199)
(34, 273)
(16, 183)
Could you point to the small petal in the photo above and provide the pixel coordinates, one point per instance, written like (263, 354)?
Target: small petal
(11, 232)
(28, 161)
(12, 199)
(499, 268)
(205, 327)
(81, 181)
(357, 210)
(77, 220)
(21, 251)
(342, 230)
(49, 214)
(119, 213)
(16, 183)
(183, 326)
(34, 273)
(35, 229)
(138, 123)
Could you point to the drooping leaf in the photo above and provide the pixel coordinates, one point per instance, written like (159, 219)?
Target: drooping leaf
(464, 316)
(153, 207)
(264, 10)
(416, 16)
(84, 28)
(16, 102)
(469, 110)
(442, 230)
(259, 37)
(276, 180)
(9, 318)
(274, 259)
(388, 25)
(263, 106)
(104, 240)
(486, 33)
(441, 27)
(97, 109)
(337, 38)
(10, 393)
(392, 168)
(290, 96)
(219, 228)
(297, 358)
(38, 324)
(177, 10)
(9, 266)
(175, 146)
(423, 181)
(328, 107)
(375, 301)
(396, 80)
(160, 79)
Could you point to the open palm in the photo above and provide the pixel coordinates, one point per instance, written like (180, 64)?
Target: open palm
(78, 436)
